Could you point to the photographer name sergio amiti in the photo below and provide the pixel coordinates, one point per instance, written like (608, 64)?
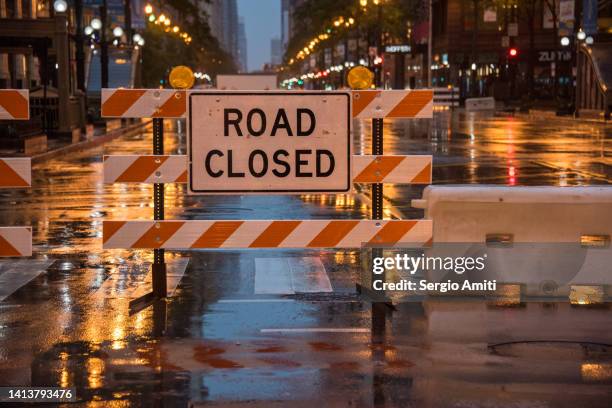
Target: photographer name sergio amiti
(412, 264)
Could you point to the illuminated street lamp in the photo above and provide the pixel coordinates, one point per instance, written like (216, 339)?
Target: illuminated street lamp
(96, 24)
(148, 9)
(60, 6)
(581, 35)
(117, 31)
(565, 41)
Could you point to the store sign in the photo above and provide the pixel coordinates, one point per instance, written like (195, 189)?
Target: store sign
(554, 55)
(398, 49)
(269, 142)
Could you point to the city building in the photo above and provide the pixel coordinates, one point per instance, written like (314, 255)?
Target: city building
(493, 57)
(276, 51)
(224, 25)
(242, 47)
(37, 53)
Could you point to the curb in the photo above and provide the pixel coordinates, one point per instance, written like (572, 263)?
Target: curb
(88, 144)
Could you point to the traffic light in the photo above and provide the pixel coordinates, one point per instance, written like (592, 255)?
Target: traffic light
(512, 52)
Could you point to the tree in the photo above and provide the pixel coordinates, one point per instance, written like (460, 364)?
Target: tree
(164, 50)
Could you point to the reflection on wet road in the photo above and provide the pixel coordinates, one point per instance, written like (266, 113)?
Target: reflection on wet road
(227, 335)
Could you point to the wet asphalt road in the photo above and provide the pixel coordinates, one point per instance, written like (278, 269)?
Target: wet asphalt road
(217, 341)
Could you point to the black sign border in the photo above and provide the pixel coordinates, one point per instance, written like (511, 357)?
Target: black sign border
(278, 93)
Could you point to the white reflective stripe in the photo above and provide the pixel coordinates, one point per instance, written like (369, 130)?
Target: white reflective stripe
(17, 239)
(382, 104)
(188, 234)
(128, 234)
(148, 103)
(246, 234)
(303, 234)
(115, 166)
(170, 170)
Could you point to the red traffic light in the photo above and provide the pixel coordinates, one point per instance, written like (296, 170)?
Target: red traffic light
(513, 52)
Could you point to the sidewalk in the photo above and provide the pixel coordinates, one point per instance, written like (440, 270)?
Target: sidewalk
(98, 138)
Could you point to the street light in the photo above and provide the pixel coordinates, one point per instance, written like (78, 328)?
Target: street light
(60, 6)
(589, 40)
(137, 38)
(565, 41)
(88, 30)
(581, 35)
(148, 9)
(96, 24)
(117, 31)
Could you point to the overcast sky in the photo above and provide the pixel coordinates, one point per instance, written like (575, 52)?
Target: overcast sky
(262, 23)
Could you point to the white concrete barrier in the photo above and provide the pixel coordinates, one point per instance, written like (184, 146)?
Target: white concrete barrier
(487, 103)
(530, 234)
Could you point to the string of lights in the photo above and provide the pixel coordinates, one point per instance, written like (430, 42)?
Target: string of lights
(166, 23)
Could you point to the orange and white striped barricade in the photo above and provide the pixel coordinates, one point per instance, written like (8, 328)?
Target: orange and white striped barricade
(397, 169)
(14, 104)
(170, 103)
(236, 234)
(159, 168)
(15, 241)
(15, 173)
(381, 104)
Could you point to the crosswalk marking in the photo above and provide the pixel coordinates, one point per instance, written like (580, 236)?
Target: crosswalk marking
(132, 281)
(16, 274)
(290, 275)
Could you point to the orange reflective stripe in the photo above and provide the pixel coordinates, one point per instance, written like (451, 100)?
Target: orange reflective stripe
(217, 234)
(411, 104)
(361, 99)
(158, 234)
(120, 101)
(332, 234)
(14, 103)
(9, 177)
(6, 249)
(424, 176)
(274, 234)
(392, 232)
(141, 169)
(109, 228)
(182, 178)
(175, 106)
(378, 169)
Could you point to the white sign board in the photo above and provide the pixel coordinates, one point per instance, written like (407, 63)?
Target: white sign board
(247, 82)
(269, 142)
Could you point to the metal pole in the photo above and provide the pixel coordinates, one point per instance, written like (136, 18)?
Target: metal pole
(103, 46)
(429, 44)
(378, 308)
(159, 265)
(80, 54)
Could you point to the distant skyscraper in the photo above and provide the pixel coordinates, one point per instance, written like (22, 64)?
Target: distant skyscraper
(276, 51)
(242, 46)
(223, 21)
(284, 23)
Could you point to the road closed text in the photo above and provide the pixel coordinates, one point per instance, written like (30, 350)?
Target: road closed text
(280, 163)
(269, 142)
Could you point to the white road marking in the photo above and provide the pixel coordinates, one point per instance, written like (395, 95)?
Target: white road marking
(130, 281)
(318, 330)
(290, 275)
(15, 274)
(273, 277)
(254, 300)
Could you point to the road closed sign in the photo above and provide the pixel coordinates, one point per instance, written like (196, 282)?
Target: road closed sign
(269, 142)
